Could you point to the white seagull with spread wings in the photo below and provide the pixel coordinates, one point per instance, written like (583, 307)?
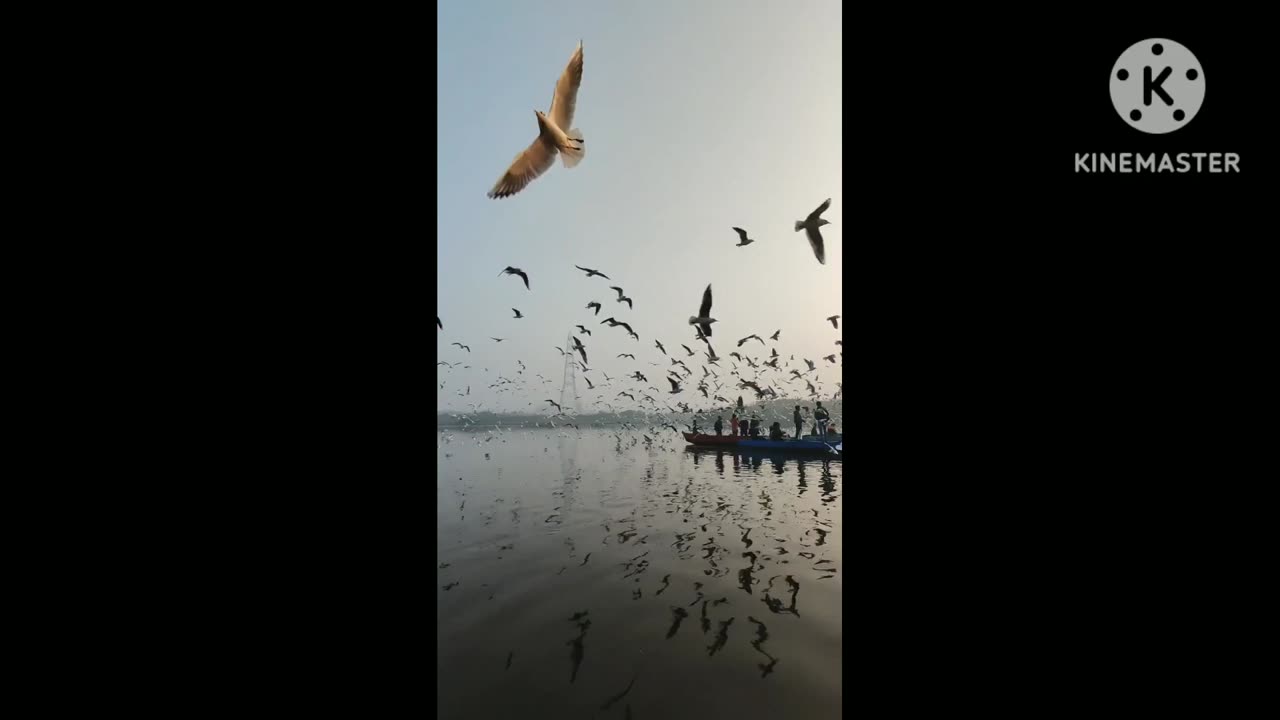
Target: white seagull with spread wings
(554, 135)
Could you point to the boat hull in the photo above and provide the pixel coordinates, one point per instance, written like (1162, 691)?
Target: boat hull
(761, 443)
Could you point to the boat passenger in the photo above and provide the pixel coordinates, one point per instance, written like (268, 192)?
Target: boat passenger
(775, 432)
(719, 426)
(821, 415)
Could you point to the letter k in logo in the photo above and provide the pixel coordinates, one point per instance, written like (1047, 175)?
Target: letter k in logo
(1149, 87)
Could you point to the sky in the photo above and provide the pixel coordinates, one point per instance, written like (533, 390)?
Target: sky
(698, 116)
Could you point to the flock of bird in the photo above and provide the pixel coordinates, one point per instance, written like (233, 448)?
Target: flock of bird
(763, 376)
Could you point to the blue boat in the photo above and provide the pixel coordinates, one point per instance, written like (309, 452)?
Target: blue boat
(812, 445)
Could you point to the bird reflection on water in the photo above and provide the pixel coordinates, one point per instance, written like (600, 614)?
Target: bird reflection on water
(728, 544)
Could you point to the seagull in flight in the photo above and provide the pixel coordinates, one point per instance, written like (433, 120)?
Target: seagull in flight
(675, 386)
(496, 339)
(595, 305)
(438, 323)
(464, 347)
(743, 340)
(583, 330)
(664, 350)
(775, 335)
(592, 273)
(703, 319)
(830, 358)
(627, 355)
(743, 240)
(809, 363)
(553, 402)
(810, 226)
(686, 349)
(517, 312)
(621, 296)
(554, 135)
(834, 323)
(577, 345)
(516, 271)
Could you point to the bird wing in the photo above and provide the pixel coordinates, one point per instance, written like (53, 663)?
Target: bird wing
(528, 165)
(705, 309)
(615, 287)
(815, 242)
(674, 385)
(524, 277)
(565, 98)
(742, 234)
(821, 209)
(629, 305)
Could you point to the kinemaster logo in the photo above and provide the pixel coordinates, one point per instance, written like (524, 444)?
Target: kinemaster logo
(1157, 87)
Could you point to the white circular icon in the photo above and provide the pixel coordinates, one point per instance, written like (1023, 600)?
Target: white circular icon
(1157, 86)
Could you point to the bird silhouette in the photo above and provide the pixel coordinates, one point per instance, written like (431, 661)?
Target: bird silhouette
(577, 345)
(627, 355)
(743, 240)
(464, 347)
(516, 271)
(438, 323)
(743, 340)
(517, 312)
(675, 386)
(553, 402)
(595, 305)
(591, 272)
(810, 226)
(703, 319)
(835, 321)
(831, 358)
(583, 330)
(775, 335)
(664, 350)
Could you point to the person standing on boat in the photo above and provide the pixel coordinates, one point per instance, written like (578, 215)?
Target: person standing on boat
(821, 415)
(799, 423)
(719, 426)
(755, 426)
(775, 431)
(733, 424)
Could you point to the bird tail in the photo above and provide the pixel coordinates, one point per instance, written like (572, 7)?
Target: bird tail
(573, 152)
(799, 225)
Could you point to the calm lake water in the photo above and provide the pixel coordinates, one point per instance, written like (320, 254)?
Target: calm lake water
(576, 566)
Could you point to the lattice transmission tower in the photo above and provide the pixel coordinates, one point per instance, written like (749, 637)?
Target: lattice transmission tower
(569, 400)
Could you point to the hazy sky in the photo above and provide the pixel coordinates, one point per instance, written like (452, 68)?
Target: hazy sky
(698, 115)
